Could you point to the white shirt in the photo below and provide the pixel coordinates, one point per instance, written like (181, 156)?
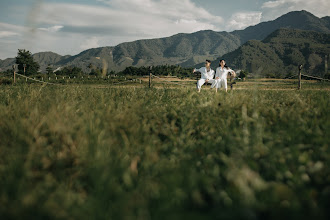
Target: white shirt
(222, 73)
(206, 74)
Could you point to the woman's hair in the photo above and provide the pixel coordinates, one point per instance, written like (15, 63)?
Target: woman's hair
(225, 64)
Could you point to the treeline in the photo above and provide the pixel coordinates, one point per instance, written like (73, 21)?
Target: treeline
(25, 65)
(162, 70)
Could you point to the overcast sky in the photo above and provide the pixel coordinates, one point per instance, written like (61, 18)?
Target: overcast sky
(68, 27)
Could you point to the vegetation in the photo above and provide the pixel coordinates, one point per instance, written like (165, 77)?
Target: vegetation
(282, 52)
(25, 61)
(49, 70)
(70, 71)
(129, 72)
(84, 152)
(162, 70)
(243, 74)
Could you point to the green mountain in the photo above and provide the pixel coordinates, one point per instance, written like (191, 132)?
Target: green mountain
(43, 58)
(302, 20)
(281, 52)
(46, 58)
(181, 49)
(186, 49)
(6, 63)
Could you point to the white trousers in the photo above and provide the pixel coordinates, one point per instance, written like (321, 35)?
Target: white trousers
(219, 83)
(202, 82)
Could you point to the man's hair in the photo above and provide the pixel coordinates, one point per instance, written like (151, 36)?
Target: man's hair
(209, 61)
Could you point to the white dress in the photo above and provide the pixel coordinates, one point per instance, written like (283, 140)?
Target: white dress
(221, 74)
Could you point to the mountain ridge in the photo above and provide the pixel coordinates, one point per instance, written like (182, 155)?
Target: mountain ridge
(179, 49)
(282, 52)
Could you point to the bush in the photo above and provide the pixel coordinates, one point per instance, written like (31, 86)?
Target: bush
(4, 81)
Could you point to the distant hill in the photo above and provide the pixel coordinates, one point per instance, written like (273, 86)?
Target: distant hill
(302, 20)
(181, 49)
(185, 49)
(281, 52)
(6, 63)
(43, 58)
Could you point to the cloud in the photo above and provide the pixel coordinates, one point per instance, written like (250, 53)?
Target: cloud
(4, 34)
(90, 43)
(67, 28)
(273, 4)
(52, 29)
(273, 9)
(133, 17)
(10, 36)
(242, 20)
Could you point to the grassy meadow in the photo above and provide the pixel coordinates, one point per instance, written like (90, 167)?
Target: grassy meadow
(260, 151)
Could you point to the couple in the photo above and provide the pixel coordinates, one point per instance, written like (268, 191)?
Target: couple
(207, 75)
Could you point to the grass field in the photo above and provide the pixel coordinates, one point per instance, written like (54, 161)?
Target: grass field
(260, 151)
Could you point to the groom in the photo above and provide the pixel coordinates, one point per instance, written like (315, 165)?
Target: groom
(207, 75)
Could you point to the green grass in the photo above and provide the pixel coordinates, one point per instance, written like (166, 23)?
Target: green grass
(82, 152)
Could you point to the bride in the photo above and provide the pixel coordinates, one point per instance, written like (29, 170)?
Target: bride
(221, 76)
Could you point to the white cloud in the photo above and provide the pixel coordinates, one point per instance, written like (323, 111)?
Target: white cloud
(90, 43)
(69, 28)
(273, 4)
(52, 29)
(242, 20)
(273, 9)
(87, 26)
(136, 17)
(170, 9)
(4, 34)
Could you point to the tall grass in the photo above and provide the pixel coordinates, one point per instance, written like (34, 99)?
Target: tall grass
(78, 152)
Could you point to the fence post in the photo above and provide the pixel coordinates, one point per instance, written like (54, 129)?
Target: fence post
(24, 66)
(299, 77)
(326, 64)
(150, 76)
(14, 69)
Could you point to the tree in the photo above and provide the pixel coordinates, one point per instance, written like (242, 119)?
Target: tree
(90, 67)
(49, 69)
(243, 74)
(70, 71)
(25, 57)
(96, 72)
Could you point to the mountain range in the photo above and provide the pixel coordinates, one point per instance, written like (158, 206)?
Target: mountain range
(281, 52)
(186, 50)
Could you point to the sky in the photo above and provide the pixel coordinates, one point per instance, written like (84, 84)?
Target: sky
(68, 27)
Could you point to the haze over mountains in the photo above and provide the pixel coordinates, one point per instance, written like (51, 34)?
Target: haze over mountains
(188, 50)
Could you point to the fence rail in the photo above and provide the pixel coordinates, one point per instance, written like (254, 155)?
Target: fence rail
(163, 79)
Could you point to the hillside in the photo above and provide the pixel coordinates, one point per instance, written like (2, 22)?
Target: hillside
(181, 49)
(43, 58)
(302, 20)
(281, 52)
(177, 49)
(6, 63)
